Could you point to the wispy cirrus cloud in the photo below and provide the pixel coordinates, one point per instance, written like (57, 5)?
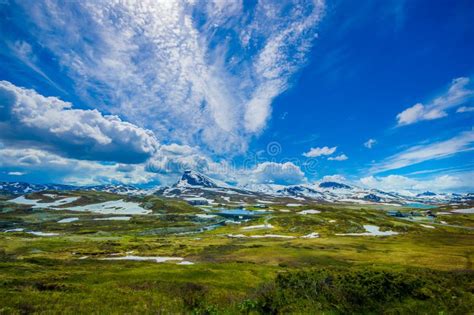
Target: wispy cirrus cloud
(465, 109)
(462, 142)
(460, 91)
(202, 73)
(25, 54)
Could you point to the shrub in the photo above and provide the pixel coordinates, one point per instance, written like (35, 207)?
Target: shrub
(367, 291)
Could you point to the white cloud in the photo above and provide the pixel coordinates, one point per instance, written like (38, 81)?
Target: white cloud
(165, 167)
(459, 92)
(315, 152)
(341, 157)
(24, 53)
(209, 82)
(370, 143)
(71, 171)
(398, 183)
(465, 109)
(32, 120)
(334, 178)
(283, 53)
(274, 173)
(437, 150)
(175, 159)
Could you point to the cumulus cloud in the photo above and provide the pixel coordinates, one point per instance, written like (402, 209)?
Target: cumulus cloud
(275, 173)
(463, 142)
(458, 93)
(55, 168)
(398, 183)
(207, 82)
(31, 120)
(334, 178)
(175, 159)
(370, 143)
(315, 152)
(163, 168)
(341, 157)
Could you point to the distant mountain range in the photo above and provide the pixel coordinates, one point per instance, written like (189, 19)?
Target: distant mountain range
(21, 188)
(194, 185)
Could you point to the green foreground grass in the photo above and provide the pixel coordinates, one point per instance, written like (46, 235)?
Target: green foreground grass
(421, 270)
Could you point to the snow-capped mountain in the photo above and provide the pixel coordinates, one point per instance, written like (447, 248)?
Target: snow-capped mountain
(333, 185)
(301, 191)
(262, 188)
(120, 189)
(444, 197)
(372, 197)
(331, 191)
(195, 179)
(426, 194)
(21, 188)
(193, 184)
(341, 192)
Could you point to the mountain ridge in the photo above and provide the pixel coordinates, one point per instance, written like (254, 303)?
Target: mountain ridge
(195, 184)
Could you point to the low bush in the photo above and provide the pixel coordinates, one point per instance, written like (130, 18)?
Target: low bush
(367, 291)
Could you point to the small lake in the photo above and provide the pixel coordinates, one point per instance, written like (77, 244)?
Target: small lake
(419, 205)
(238, 213)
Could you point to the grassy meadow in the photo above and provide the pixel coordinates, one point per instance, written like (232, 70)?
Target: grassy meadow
(419, 271)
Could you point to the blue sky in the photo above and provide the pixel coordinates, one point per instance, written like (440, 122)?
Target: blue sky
(376, 93)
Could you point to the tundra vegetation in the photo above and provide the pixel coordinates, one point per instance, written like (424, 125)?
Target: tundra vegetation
(419, 270)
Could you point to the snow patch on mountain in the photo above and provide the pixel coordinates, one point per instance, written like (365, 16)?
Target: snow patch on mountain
(195, 179)
(21, 188)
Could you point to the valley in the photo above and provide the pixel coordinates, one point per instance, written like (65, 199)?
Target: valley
(92, 251)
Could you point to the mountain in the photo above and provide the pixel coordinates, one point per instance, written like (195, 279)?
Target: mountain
(372, 197)
(21, 188)
(262, 188)
(195, 179)
(120, 189)
(193, 185)
(196, 185)
(334, 185)
(301, 191)
(426, 194)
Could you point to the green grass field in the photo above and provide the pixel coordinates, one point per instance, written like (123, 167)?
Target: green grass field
(420, 270)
